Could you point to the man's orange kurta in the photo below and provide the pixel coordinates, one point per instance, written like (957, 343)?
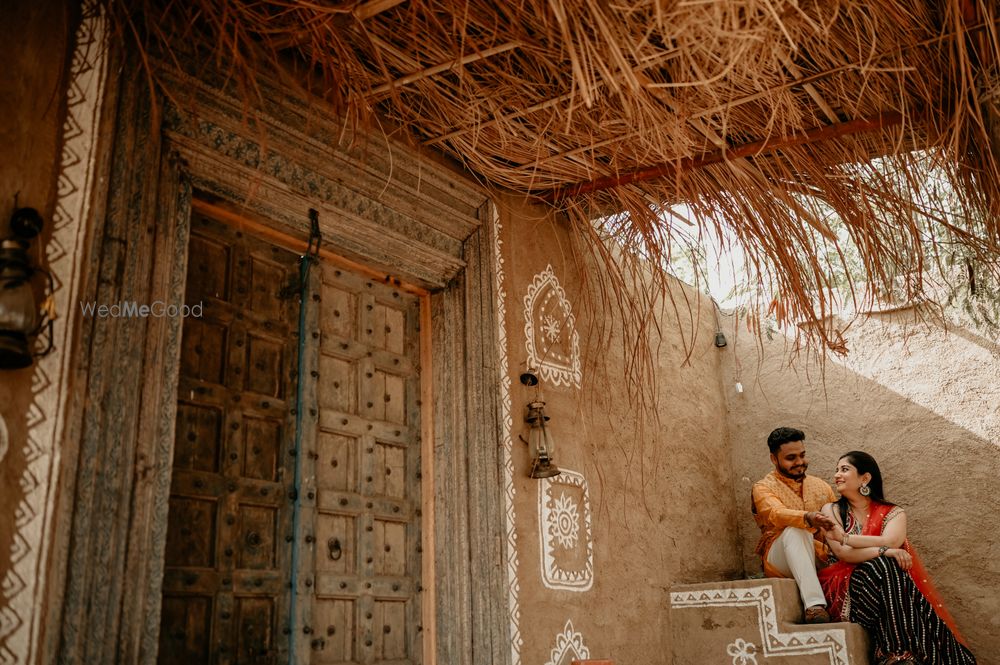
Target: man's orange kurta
(781, 502)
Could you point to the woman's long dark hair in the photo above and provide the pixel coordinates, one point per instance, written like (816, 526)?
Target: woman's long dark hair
(864, 463)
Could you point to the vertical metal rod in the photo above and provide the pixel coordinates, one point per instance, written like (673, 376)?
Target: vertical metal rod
(305, 261)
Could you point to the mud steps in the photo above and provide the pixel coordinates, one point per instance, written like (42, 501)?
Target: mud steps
(751, 622)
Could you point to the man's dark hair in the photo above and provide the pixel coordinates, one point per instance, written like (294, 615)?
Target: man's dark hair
(783, 435)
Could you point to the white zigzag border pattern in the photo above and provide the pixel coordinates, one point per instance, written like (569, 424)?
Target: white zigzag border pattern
(508, 426)
(23, 587)
(775, 643)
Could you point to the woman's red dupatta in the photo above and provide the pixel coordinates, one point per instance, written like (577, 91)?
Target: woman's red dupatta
(835, 578)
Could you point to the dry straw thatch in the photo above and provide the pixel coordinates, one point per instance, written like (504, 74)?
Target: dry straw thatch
(763, 116)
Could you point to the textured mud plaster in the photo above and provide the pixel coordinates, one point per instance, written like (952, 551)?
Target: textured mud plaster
(921, 401)
(660, 491)
(32, 104)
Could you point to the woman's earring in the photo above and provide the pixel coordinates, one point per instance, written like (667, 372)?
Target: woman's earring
(865, 490)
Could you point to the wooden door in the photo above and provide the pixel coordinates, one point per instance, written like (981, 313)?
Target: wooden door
(225, 585)
(366, 607)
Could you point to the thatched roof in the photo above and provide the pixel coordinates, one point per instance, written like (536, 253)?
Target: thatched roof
(761, 115)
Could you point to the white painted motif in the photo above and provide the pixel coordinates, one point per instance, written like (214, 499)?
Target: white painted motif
(565, 532)
(551, 338)
(832, 641)
(743, 652)
(4, 440)
(569, 647)
(563, 521)
(23, 588)
(507, 433)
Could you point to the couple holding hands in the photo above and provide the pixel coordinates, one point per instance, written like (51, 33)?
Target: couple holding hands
(868, 572)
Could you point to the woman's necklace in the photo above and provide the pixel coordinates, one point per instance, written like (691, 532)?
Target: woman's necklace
(861, 518)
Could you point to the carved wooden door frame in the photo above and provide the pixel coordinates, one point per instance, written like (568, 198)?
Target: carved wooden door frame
(111, 529)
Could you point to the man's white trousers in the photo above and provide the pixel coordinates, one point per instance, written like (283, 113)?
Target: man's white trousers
(794, 556)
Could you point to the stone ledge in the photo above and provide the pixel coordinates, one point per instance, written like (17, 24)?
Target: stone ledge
(750, 622)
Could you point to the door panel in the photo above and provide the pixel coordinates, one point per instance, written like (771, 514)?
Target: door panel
(185, 629)
(367, 594)
(336, 621)
(198, 436)
(261, 447)
(227, 559)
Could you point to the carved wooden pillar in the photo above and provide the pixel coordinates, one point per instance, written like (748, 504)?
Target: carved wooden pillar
(128, 375)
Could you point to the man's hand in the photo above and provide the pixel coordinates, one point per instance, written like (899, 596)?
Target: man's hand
(836, 533)
(820, 521)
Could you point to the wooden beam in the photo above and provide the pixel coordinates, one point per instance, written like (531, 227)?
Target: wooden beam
(755, 148)
(247, 223)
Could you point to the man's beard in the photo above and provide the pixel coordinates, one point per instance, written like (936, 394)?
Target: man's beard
(794, 476)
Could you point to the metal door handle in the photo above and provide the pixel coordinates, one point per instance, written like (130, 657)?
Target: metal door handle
(334, 546)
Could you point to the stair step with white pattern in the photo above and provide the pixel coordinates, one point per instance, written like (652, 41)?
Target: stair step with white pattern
(752, 622)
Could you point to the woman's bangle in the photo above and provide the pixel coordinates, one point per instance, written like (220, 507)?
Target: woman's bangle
(882, 550)
(843, 541)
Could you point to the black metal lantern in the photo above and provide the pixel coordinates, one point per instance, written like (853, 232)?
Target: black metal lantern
(21, 319)
(541, 447)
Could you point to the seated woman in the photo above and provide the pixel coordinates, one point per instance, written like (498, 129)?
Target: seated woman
(877, 580)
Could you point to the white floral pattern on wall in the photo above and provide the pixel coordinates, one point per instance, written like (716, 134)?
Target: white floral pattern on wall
(552, 341)
(569, 647)
(564, 525)
(564, 522)
(743, 652)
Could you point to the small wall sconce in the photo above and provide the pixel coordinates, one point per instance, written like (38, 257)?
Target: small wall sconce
(541, 447)
(720, 337)
(22, 321)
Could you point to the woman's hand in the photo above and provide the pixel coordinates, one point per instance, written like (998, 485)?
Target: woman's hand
(901, 556)
(836, 533)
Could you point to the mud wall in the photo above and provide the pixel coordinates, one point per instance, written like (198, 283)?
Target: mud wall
(32, 103)
(923, 403)
(642, 503)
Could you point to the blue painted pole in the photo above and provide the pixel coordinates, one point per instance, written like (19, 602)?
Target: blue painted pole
(307, 259)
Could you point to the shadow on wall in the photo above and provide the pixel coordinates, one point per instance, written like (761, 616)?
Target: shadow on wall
(924, 404)
(15, 476)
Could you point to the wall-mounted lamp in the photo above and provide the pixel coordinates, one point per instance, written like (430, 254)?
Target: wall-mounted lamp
(22, 321)
(720, 337)
(541, 447)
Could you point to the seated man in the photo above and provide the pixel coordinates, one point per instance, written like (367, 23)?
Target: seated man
(786, 505)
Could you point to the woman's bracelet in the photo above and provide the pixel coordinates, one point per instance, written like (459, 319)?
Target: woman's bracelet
(882, 550)
(843, 541)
